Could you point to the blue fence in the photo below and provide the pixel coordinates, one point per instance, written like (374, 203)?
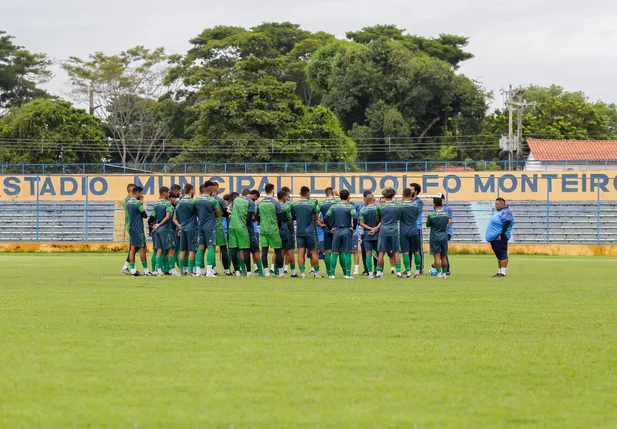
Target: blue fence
(536, 222)
(300, 167)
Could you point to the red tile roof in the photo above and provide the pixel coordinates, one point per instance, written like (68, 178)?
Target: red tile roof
(573, 150)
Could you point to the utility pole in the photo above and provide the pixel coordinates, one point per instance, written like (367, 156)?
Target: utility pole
(91, 100)
(515, 100)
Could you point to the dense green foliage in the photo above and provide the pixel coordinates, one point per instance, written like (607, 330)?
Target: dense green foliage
(467, 352)
(277, 92)
(45, 131)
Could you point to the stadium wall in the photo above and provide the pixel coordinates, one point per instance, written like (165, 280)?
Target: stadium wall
(464, 186)
(472, 249)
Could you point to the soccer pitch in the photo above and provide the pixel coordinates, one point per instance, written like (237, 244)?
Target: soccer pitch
(82, 345)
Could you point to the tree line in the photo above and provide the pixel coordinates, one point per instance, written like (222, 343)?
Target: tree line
(274, 92)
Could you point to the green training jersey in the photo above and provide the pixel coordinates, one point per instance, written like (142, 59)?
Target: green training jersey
(341, 217)
(159, 211)
(389, 214)
(241, 210)
(223, 206)
(186, 212)
(269, 210)
(438, 220)
(135, 208)
(303, 211)
(126, 212)
(409, 218)
(368, 215)
(286, 233)
(206, 212)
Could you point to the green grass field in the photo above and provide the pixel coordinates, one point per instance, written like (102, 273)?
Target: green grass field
(82, 345)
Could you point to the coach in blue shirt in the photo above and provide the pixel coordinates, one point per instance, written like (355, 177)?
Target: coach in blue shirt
(499, 232)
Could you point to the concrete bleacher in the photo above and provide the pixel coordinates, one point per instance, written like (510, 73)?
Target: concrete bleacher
(57, 221)
(566, 222)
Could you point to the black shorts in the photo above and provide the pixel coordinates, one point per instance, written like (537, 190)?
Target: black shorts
(500, 248)
(327, 239)
(369, 245)
(410, 243)
(307, 242)
(288, 243)
(189, 240)
(254, 242)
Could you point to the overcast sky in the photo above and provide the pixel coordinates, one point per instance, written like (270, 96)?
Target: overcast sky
(543, 42)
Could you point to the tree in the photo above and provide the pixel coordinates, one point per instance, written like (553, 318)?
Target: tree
(125, 88)
(254, 117)
(560, 115)
(20, 73)
(382, 90)
(49, 131)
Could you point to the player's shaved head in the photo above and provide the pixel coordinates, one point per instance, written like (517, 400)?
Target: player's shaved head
(129, 188)
(344, 195)
(388, 193)
(329, 192)
(305, 191)
(437, 202)
(369, 199)
(407, 192)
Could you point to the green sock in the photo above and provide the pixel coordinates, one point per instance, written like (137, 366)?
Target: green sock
(328, 260)
(302, 269)
(333, 264)
(177, 260)
(347, 257)
(181, 264)
(418, 261)
(343, 261)
(380, 269)
(316, 268)
(186, 259)
(292, 266)
(144, 264)
(132, 265)
(439, 270)
(211, 256)
(191, 265)
(171, 263)
(153, 260)
(398, 268)
(243, 268)
(260, 268)
(369, 264)
(407, 262)
(159, 264)
(198, 258)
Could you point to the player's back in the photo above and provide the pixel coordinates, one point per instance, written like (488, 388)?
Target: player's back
(326, 204)
(206, 209)
(389, 215)
(409, 218)
(285, 230)
(239, 214)
(186, 212)
(303, 211)
(438, 222)
(340, 215)
(268, 210)
(368, 215)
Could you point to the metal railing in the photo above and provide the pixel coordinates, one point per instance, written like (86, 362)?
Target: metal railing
(302, 167)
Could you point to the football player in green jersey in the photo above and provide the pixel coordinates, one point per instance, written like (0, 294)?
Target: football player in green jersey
(129, 192)
(271, 217)
(342, 217)
(327, 234)
(208, 211)
(242, 210)
(185, 218)
(410, 244)
(221, 236)
(160, 219)
(389, 214)
(287, 233)
(306, 213)
(370, 224)
(137, 236)
(439, 221)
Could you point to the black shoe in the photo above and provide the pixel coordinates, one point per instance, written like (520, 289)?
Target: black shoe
(421, 272)
(136, 274)
(167, 273)
(499, 275)
(284, 271)
(448, 274)
(229, 274)
(294, 276)
(216, 274)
